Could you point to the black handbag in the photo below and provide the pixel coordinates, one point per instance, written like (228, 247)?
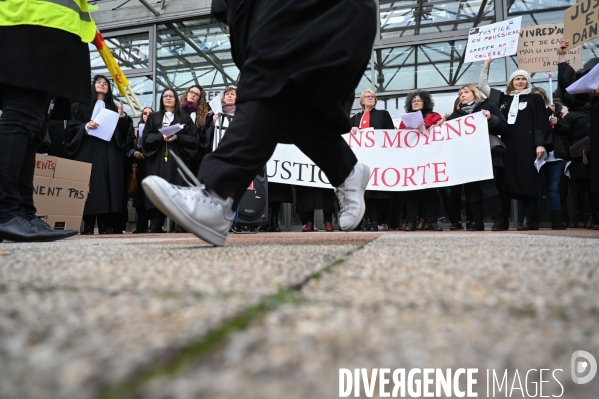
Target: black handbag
(497, 146)
(581, 149)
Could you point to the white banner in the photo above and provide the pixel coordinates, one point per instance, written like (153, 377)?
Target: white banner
(454, 153)
(496, 40)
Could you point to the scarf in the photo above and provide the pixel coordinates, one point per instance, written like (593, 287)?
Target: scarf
(188, 105)
(468, 108)
(513, 112)
(229, 109)
(365, 121)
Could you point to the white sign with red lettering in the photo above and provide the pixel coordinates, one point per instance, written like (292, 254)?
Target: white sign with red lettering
(496, 40)
(456, 152)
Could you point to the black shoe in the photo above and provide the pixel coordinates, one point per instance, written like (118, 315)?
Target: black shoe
(373, 227)
(43, 226)
(411, 226)
(139, 231)
(477, 225)
(506, 224)
(87, 230)
(556, 220)
(525, 225)
(456, 226)
(497, 225)
(434, 226)
(19, 229)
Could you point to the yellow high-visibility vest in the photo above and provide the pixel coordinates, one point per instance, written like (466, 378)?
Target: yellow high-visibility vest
(69, 15)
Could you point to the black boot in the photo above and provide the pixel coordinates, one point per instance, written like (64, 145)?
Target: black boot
(157, 222)
(556, 221)
(534, 221)
(587, 206)
(496, 212)
(477, 212)
(525, 224)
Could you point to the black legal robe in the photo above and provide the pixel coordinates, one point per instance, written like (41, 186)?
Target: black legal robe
(107, 181)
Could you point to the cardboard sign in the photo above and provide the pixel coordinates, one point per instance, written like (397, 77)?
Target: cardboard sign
(581, 22)
(496, 40)
(537, 49)
(60, 189)
(401, 160)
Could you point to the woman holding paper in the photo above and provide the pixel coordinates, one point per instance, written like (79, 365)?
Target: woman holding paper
(420, 100)
(527, 139)
(471, 100)
(168, 131)
(97, 134)
(374, 118)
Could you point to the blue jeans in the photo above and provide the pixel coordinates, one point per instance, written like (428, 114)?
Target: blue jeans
(550, 174)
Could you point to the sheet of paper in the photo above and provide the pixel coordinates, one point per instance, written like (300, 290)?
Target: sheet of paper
(540, 162)
(140, 133)
(216, 104)
(413, 119)
(567, 169)
(107, 120)
(171, 130)
(100, 105)
(587, 83)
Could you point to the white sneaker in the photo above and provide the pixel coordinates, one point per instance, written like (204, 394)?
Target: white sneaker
(194, 208)
(351, 197)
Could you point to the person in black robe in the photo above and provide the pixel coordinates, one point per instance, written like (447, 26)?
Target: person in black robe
(107, 180)
(158, 149)
(471, 101)
(194, 103)
(134, 145)
(308, 55)
(32, 73)
(376, 119)
(528, 137)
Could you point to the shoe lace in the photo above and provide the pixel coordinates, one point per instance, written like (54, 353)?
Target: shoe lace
(195, 188)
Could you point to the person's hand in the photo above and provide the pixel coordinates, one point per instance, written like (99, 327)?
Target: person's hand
(487, 114)
(92, 125)
(421, 128)
(553, 120)
(563, 45)
(488, 62)
(596, 91)
(138, 155)
(440, 122)
(540, 151)
(552, 106)
(215, 117)
(354, 130)
(119, 109)
(170, 139)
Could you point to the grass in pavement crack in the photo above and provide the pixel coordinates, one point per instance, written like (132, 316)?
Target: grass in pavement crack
(215, 339)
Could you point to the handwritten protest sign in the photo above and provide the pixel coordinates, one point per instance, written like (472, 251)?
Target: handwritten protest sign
(581, 22)
(496, 40)
(401, 160)
(537, 49)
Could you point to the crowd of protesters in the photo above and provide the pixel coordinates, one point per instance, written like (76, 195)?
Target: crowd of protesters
(523, 126)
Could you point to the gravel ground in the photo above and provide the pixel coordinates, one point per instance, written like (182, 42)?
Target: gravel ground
(85, 313)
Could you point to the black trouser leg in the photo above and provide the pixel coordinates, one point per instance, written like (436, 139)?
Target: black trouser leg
(432, 204)
(26, 181)
(564, 184)
(23, 115)
(252, 137)
(412, 202)
(328, 216)
(307, 217)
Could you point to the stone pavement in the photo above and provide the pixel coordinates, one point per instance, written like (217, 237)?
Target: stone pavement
(277, 315)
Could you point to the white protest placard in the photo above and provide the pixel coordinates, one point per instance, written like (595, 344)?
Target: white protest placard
(413, 119)
(98, 106)
(140, 133)
(401, 160)
(496, 40)
(107, 120)
(587, 83)
(171, 130)
(537, 49)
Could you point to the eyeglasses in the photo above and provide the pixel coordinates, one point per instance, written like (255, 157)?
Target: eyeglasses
(147, 113)
(417, 101)
(102, 83)
(369, 97)
(168, 96)
(194, 93)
